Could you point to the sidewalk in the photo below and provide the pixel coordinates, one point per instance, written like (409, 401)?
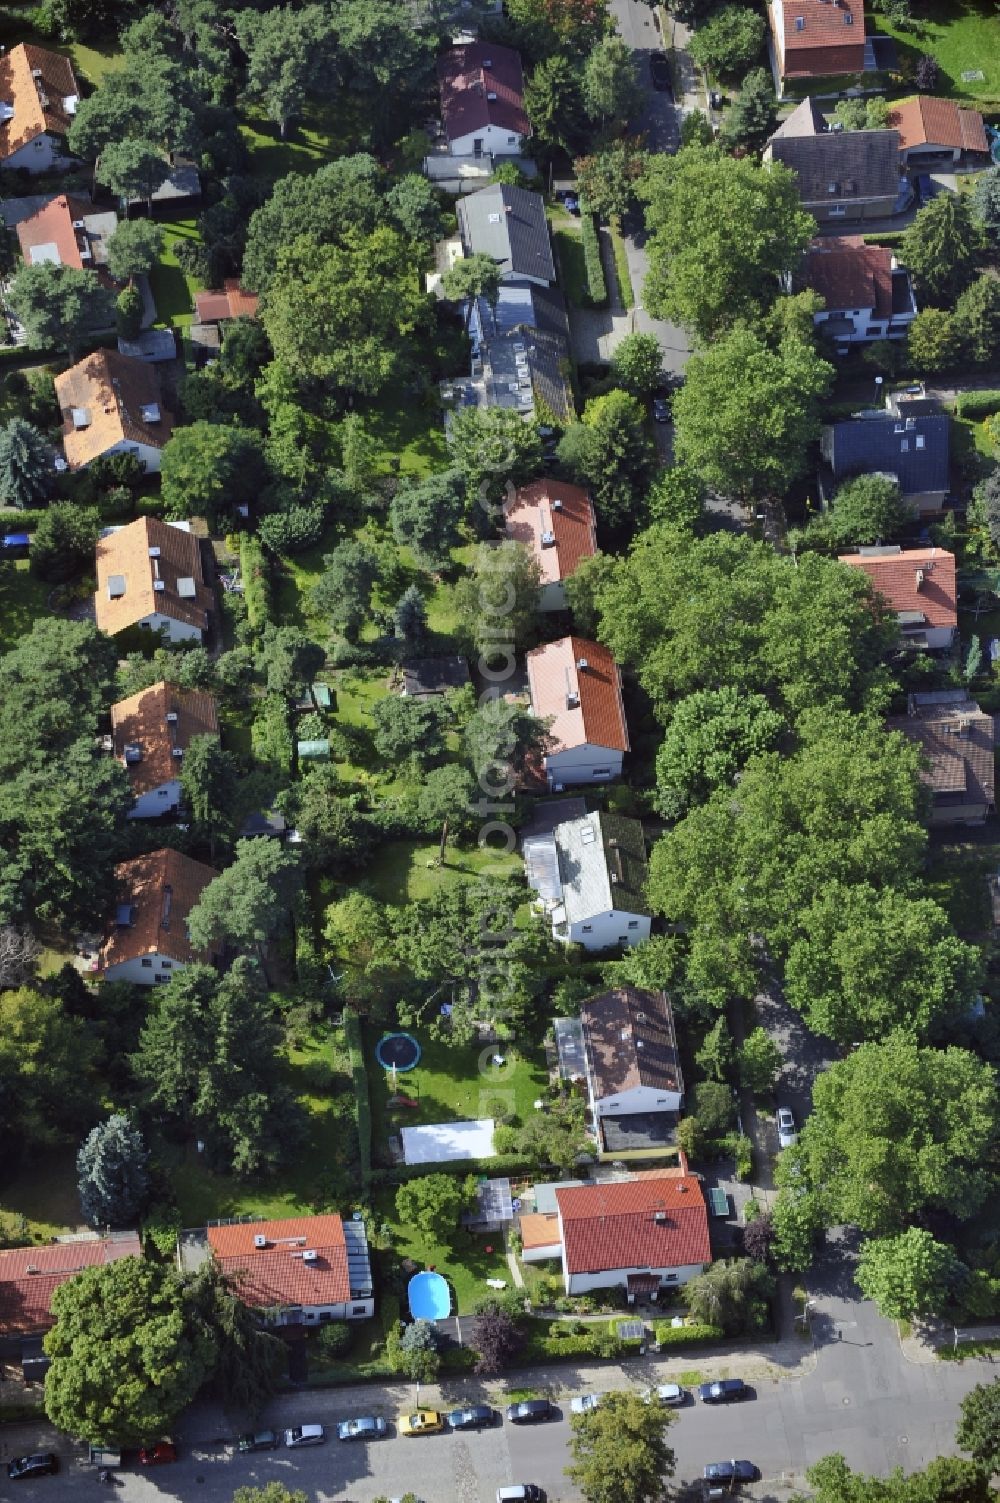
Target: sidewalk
(925, 1342)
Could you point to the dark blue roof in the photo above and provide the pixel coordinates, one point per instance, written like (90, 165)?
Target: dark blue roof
(890, 444)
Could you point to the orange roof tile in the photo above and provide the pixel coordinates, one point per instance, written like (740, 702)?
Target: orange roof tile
(653, 1221)
(539, 1229)
(824, 24)
(52, 224)
(925, 121)
(29, 1276)
(38, 103)
(277, 1275)
(125, 554)
(894, 575)
(232, 302)
(850, 275)
(162, 888)
(533, 514)
(110, 391)
(141, 721)
(598, 716)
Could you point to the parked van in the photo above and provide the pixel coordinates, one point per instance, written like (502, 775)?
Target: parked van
(520, 1492)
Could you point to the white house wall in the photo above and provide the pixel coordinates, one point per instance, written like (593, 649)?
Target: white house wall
(40, 155)
(603, 930)
(155, 801)
(492, 138)
(144, 974)
(312, 1315)
(148, 454)
(541, 1254)
(583, 1283)
(638, 1099)
(584, 764)
(177, 631)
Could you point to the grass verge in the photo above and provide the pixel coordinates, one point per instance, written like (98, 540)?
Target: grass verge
(625, 291)
(173, 289)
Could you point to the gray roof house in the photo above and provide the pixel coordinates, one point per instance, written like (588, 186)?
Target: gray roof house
(913, 450)
(849, 174)
(524, 369)
(520, 303)
(597, 880)
(508, 224)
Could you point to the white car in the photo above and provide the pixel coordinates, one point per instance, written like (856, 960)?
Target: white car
(305, 1435)
(585, 1402)
(786, 1128)
(670, 1394)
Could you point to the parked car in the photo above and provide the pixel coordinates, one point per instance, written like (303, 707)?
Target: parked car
(661, 410)
(570, 202)
(305, 1435)
(259, 1440)
(670, 1394)
(163, 1451)
(585, 1402)
(724, 1391)
(730, 1471)
(366, 1427)
(659, 71)
(40, 1465)
(474, 1418)
(530, 1412)
(520, 1492)
(786, 1128)
(423, 1422)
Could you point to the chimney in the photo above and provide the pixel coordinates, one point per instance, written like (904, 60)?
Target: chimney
(582, 665)
(920, 579)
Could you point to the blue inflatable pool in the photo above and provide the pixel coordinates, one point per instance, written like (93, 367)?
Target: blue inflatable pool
(429, 1297)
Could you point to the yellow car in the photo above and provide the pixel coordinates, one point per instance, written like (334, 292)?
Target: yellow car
(424, 1422)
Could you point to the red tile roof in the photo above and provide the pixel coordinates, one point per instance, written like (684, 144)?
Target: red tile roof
(824, 30)
(598, 717)
(29, 1276)
(894, 575)
(141, 720)
(52, 224)
(213, 307)
(125, 553)
(118, 401)
(277, 1275)
(162, 887)
(849, 274)
(39, 102)
(924, 121)
(533, 513)
(466, 84)
(654, 1221)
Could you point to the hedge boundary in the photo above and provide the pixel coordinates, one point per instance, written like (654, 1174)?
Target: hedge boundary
(597, 287)
(362, 1101)
(977, 404)
(256, 582)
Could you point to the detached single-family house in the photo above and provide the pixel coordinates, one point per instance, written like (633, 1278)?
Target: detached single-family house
(602, 873)
(519, 305)
(149, 574)
(817, 38)
(148, 940)
(555, 521)
(482, 100)
(150, 733)
(525, 370)
(111, 404)
(913, 451)
(38, 100)
(306, 1270)
(868, 295)
(29, 1276)
(958, 741)
(429, 678)
(219, 307)
(646, 1233)
(508, 224)
(919, 586)
(67, 232)
(936, 133)
(575, 684)
(848, 174)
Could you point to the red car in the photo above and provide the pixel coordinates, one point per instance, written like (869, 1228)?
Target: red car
(164, 1450)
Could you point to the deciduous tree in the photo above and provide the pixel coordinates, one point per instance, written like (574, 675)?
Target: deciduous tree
(637, 364)
(979, 1427)
(611, 451)
(406, 727)
(711, 735)
(496, 1338)
(760, 1060)
(493, 447)
(498, 601)
(472, 277)
(344, 590)
(208, 469)
(289, 56)
(426, 515)
(248, 902)
(609, 85)
(730, 42)
(934, 340)
(132, 168)
(908, 1275)
(619, 1451)
(134, 248)
(58, 306)
(434, 1203)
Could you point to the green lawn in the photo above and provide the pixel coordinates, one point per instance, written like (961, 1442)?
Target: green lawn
(44, 1191)
(405, 870)
(23, 598)
(410, 434)
(463, 1261)
(449, 1085)
(328, 131)
(173, 289)
(571, 264)
(320, 1170)
(964, 36)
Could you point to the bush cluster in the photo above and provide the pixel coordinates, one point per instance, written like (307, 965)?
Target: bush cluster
(597, 287)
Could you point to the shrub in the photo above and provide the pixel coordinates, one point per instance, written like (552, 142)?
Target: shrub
(688, 1335)
(597, 287)
(256, 582)
(333, 1340)
(161, 1226)
(292, 531)
(977, 404)
(270, 734)
(362, 1102)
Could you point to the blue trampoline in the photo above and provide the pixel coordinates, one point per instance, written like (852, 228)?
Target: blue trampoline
(429, 1297)
(399, 1051)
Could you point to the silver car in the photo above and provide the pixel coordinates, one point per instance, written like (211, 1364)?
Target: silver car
(585, 1402)
(787, 1134)
(305, 1435)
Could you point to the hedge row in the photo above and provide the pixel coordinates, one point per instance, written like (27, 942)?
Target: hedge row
(309, 969)
(256, 582)
(501, 1163)
(693, 1335)
(271, 734)
(362, 1102)
(597, 287)
(977, 404)
(890, 238)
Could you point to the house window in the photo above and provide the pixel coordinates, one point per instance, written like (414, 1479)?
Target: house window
(904, 446)
(837, 211)
(623, 939)
(602, 772)
(40, 145)
(161, 977)
(588, 928)
(633, 923)
(921, 441)
(670, 1278)
(163, 793)
(358, 1309)
(325, 1315)
(147, 963)
(166, 965)
(876, 331)
(511, 140)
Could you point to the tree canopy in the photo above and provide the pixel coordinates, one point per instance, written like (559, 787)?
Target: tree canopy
(619, 1451)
